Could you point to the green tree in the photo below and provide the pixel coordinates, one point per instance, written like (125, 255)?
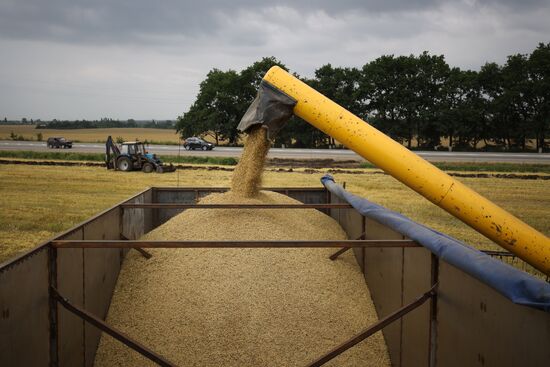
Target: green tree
(462, 111)
(340, 85)
(539, 92)
(505, 90)
(223, 98)
(516, 110)
(432, 73)
(215, 111)
(490, 78)
(381, 93)
(406, 97)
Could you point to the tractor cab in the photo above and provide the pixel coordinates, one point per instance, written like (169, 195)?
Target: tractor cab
(132, 147)
(131, 156)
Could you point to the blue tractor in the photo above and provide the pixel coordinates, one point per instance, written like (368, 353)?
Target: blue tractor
(132, 156)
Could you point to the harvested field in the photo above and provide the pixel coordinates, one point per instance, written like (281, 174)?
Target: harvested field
(91, 135)
(39, 201)
(243, 307)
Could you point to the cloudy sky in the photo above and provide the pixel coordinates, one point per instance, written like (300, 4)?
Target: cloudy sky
(142, 59)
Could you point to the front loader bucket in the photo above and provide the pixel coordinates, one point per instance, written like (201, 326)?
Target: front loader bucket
(166, 169)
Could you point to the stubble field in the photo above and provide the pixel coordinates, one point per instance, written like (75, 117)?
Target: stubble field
(38, 202)
(28, 132)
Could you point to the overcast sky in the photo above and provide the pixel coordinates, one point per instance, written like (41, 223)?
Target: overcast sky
(142, 59)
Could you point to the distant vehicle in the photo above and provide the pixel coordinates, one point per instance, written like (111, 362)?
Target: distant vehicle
(131, 155)
(59, 142)
(197, 143)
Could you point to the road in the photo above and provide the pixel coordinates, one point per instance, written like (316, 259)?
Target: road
(294, 153)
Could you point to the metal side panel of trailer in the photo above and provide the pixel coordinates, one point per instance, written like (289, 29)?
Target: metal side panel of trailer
(35, 333)
(470, 324)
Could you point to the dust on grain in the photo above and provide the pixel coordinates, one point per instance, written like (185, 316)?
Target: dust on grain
(247, 176)
(243, 307)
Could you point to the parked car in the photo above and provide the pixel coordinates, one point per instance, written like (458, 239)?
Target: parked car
(59, 142)
(197, 143)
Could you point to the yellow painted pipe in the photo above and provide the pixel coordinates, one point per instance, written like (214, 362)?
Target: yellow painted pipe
(421, 176)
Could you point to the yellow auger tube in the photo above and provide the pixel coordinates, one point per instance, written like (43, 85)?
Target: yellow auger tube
(420, 175)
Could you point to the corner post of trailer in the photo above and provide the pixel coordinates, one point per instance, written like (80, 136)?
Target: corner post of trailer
(434, 275)
(52, 306)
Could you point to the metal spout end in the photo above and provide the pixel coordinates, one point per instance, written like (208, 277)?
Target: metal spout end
(271, 108)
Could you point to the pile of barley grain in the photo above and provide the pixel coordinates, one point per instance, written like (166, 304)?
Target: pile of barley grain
(243, 307)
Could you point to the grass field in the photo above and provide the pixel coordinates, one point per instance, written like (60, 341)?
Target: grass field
(163, 136)
(39, 201)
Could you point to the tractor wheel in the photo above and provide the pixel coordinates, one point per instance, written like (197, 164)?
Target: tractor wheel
(204, 147)
(124, 164)
(147, 168)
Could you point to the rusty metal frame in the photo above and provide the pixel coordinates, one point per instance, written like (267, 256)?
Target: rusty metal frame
(139, 245)
(232, 206)
(144, 253)
(52, 305)
(55, 245)
(335, 255)
(225, 188)
(432, 346)
(118, 335)
(432, 293)
(230, 244)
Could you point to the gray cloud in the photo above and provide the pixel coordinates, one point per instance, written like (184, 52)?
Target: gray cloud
(145, 59)
(105, 21)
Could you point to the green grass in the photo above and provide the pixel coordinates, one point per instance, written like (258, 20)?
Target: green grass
(63, 156)
(485, 167)
(99, 157)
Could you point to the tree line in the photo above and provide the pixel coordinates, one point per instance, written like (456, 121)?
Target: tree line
(104, 123)
(418, 100)
(91, 124)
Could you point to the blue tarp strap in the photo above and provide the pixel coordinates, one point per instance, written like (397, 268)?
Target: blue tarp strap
(514, 284)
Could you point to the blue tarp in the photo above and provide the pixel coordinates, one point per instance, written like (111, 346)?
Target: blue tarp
(512, 283)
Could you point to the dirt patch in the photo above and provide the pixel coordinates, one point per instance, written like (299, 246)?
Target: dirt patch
(313, 163)
(293, 168)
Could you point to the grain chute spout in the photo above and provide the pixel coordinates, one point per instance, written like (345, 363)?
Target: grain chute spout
(271, 109)
(282, 94)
